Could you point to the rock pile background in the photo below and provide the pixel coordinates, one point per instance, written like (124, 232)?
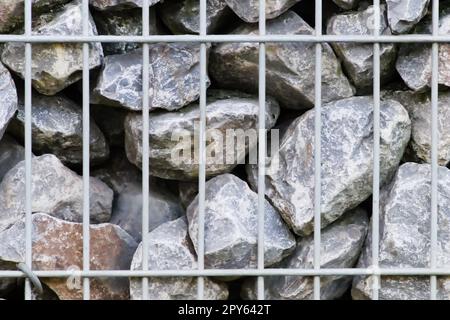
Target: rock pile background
(232, 103)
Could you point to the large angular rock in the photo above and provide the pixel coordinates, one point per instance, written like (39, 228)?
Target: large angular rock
(57, 128)
(184, 16)
(173, 135)
(414, 59)
(290, 66)
(405, 220)
(231, 224)
(8, 98)
(341, 244)
(347, 160)
(418, 106)
(12, 14)
(58, 245)
(57, 65)
(174, 80)
(248, 10)
(119, 4)
(358, 58)
(11, 153)
(125, 180)
(403, 15)
(169, 248)
(56, 190)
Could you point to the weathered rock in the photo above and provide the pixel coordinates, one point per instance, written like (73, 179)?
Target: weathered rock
(8, 98)
(123, 23)
(55, 66)
(119, 4)
(12, 13)
(58, 245)
(11, 153)
(169, 248)
(358, 58)
(184, 16)
(56, 190)
(347, 160)
(174, 80)
(231, 224)
(290, 66)
(403, 15)
(173, 136)
(346, 4)
(125, 180)
(110, 121)
(341, 244)
(57, 128)
(405, 214)
(414, 59)
(418, 106)
(248, 10)
(187, 192)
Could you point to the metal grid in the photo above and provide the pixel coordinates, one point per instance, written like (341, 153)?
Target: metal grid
(203, 39)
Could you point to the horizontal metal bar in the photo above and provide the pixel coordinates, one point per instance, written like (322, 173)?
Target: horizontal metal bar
(230, 38)
(231, 272)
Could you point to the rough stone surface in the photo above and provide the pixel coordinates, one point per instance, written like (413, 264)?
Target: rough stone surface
(172, 139)
(405, 220)
(347, 165)
(57, 128)
(183, 16)
(174, 80)
(58, 244)
(248, 10)
(418, 106)
(8, 98)
(58, 65)
(358, 58)
(340, 248)
(56, 190)
(11, 153)
(290, 66)
(169, 248)
(414, 59)
(231, 219)
(403, 15)
(119, 4)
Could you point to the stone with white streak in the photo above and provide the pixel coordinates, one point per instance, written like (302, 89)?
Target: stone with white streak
(403, 15)
(119, 4)
(248, 10)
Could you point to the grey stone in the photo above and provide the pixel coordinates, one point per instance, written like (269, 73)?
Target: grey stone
(125, 180)
(358, 58)
(58, 245)
(57, 128)
(346, 4)
(231, 224)
(248, 10)
(11, 153)
(8, 96)
(172, 135)
(56, 190)
(57, 65)
(414, 59)
(290, 66)
(341, 244)
(182, 16)
(403, 15)
(347, 160)
(405, 220)
(174, 80)
(119, 4)
(169, 248)
(418, 106)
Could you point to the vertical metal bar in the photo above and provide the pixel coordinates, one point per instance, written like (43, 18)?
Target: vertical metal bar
(317, 150)
(434, 149)
(28, 149)
(262, 146)
(202, 155)
(86, 145)
(376, 153)
(145, 144)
